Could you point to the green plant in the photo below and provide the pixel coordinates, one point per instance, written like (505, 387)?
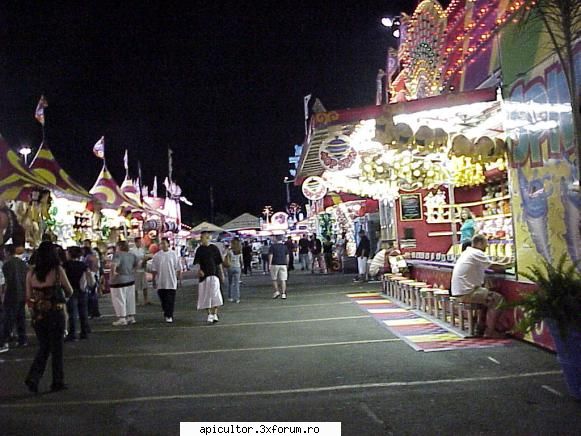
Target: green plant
(558, 296)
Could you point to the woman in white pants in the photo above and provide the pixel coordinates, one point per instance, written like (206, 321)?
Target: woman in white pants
(122, 284)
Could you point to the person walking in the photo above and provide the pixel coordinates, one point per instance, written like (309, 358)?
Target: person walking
(210, 274)
(290, 246)
(278, 261)
(14, 270)
(47, 287)
(304, 253)
(247, 258)
(80, 278)
(143, 256)
(94, 262)
(165, 267)
(341, 248)
(233, 259)
(317, 254)
(264, 250)
(122, 284)
(328, 254)
(362, 252)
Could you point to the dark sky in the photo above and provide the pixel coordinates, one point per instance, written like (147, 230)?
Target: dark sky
(221, 83)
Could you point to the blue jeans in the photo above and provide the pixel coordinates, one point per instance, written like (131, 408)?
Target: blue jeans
(77, 306)
(304, 258)
(234, 283)
(14, 315)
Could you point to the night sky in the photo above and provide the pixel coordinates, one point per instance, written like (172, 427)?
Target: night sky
(221, 83)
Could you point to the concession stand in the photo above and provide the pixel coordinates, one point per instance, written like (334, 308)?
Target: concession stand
(451, 138)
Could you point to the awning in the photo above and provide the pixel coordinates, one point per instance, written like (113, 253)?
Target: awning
(108, 193)
(477, 110)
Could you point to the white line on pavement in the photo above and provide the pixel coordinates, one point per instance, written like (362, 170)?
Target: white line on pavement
(310, 390)
(551, 390)
(224, 350)
(222, 325)
(492, 359)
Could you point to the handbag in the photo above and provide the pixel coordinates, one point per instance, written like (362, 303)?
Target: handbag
(226, 262)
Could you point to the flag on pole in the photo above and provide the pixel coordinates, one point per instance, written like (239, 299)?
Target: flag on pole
(99, 148)
(169, 163)
(140, 181)
(39, 112)
(154, 190)
(307, 99)
(126, 162)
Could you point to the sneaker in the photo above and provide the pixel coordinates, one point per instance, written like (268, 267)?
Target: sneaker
(168, 319)
(216, 318)
(231, 300)
(210, 319)
(283, 296)
(4, 348)
(275, 295)
(237, 301)
(119, 322)
(131, 320)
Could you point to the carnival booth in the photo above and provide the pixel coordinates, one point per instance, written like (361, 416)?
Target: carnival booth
(451, 143)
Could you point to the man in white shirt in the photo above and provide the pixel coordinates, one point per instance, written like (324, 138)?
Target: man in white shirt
(165, 267)
(143, 256)
(468, 284)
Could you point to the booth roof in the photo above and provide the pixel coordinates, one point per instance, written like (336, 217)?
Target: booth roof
(15, 178)
(243, 222)
(319, 127)
(45, 166)
(109, 194)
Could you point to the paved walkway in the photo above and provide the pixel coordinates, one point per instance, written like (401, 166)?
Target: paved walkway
(314, 357)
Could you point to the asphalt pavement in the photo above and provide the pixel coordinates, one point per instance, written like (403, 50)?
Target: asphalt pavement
(313, 357)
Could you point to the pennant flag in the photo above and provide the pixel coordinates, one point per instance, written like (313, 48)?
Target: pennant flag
(154, 190)
(39, 112)
(318, 107)
(307, 99)
(140, 181)
(99, 148)
(126, 162)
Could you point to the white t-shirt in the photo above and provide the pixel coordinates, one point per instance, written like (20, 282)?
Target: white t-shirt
(140, 253)
(235, 259)
(469, 271)
(166, 265)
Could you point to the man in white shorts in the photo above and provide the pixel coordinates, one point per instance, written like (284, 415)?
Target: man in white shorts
(278, 258)
(468, 284)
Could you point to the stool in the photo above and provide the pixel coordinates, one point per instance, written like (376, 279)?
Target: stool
(427, 302)
(466, 312)
(404, 291)
(442, 304)
(413, 293)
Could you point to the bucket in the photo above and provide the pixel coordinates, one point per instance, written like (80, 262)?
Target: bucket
(569, 356)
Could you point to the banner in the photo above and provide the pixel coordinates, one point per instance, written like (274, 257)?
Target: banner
(39, 112)
(99, 148)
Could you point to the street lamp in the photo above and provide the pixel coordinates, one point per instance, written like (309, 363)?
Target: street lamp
(392, 23)
(287, 182)
(25, 150)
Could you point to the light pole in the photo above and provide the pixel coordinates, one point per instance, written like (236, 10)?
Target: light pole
(287, 181)
(25, 150)
(392, 64)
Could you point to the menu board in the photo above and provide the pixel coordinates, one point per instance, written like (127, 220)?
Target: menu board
(410, 207)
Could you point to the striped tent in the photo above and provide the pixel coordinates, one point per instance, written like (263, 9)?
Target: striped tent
(107, 192)
(16, 178)
(45, 166)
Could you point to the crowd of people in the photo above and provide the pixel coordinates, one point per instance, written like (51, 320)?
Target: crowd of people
(62, 287)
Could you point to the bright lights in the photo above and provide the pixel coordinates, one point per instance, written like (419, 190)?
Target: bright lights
(387, 22)
(25, 150)
(396, 33)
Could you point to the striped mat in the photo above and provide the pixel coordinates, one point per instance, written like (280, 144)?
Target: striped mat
(420, 333)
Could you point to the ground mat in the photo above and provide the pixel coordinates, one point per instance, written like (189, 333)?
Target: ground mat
(419, 332)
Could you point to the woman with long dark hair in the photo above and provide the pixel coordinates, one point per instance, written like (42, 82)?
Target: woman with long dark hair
(47, 288)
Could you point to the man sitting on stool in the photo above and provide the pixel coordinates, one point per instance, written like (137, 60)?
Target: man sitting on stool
(468, 280)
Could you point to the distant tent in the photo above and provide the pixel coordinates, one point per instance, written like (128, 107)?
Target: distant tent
(16, 178)
(108, 193)
(45, 166)
(245, 221)
(207, 227)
